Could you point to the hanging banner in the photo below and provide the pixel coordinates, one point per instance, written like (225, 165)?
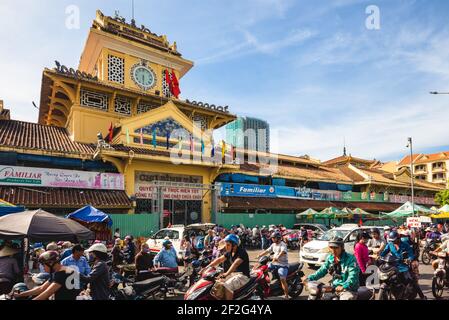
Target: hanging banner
(60, 178)
(145, 189)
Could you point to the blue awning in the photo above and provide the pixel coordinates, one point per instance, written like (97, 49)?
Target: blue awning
(8, 210)
(90, 214)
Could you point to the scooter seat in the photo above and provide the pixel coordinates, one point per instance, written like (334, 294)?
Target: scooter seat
(148, 284)
(292, 267)
(363, 293)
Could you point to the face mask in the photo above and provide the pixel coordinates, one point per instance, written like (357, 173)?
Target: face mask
(146, 250)
(91, 258)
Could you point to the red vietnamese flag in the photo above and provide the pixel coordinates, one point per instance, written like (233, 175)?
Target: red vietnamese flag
(175, 84)
(111, 128)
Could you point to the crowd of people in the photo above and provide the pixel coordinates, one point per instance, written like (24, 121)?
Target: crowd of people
(62, 264)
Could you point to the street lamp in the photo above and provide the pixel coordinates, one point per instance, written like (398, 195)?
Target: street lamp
(410, 145)
(436, 92)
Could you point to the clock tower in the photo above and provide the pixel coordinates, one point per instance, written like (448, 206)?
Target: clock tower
(129, 56)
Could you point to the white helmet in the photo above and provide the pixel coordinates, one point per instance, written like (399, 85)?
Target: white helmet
(98, 247)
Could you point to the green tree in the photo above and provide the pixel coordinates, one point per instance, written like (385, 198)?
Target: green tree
(442, 197)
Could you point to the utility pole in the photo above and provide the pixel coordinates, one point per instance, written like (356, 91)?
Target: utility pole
(410, 145)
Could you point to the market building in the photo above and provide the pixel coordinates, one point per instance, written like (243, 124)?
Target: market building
(114, 133)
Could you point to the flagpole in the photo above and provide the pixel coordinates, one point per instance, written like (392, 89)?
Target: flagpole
(410, 144)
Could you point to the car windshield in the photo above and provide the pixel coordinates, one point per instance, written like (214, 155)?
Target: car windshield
(333, 233)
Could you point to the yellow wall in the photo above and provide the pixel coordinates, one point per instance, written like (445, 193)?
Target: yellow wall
(84, 123)
(130, 61)
(159, 167)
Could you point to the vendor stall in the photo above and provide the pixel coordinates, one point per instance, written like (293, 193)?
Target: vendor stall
(95, 220)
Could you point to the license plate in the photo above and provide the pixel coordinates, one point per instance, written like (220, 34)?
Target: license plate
(309, 257)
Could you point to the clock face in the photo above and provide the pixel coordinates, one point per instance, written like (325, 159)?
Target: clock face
(143, 76)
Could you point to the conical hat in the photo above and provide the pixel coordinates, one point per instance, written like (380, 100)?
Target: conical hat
(8, 251)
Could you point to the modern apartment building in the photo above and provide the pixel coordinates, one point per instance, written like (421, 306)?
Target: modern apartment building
(249, 133)
(429, 167)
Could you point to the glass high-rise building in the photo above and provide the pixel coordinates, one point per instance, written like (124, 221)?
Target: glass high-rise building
(249, 133)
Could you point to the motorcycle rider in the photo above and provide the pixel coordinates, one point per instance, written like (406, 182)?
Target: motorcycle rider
(144, 262)
(280, 259)
(167, 257)
(444, 247)
(236, 268)
(343, 264)
(399, 248)
(376, 244)
(58, 285)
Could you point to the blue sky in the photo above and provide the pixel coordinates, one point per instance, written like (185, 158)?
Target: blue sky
(311, 68)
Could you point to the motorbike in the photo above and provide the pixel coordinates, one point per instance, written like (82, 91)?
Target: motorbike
(430, 246)
(202, 289)
(440, 277)
(395, 285)
(196, 264)
(273, 288)
(153, 288)
(320, 291)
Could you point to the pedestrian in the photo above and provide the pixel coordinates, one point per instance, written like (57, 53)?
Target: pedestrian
(98, 279)
(361, 254)
(77, 260)
(9, 269)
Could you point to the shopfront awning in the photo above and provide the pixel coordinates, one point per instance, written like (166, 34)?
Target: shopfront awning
(65, 198)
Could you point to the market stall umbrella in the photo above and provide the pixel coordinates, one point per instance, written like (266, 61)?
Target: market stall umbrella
(42, 226)
(331, 213)
(363, 214)
(90, 214)
(443, 212)
(348, 211)
(309, 213)
(406, 210)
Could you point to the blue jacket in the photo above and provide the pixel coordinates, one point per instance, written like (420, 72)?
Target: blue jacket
(403, 247)
(167, 258)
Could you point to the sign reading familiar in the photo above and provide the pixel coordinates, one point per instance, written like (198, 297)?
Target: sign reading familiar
(60, 178)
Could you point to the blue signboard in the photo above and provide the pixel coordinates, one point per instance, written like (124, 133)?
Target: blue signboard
(246, 190)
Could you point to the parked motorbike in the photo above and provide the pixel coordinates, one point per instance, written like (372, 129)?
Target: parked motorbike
(154, 288)
(430, 246)
(395, 285)
(196, 264)
(441, 275)
(273, 288)
(202, 289)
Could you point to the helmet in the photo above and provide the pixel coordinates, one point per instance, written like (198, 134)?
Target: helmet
(19, 287)
(232, 238)
(99, 247)
(52, 246)
(67, 244)
(128, 237)
(276, 234)
(38, 245)
(336, 242)
(393, 236)
(49, 258)
(166, 242)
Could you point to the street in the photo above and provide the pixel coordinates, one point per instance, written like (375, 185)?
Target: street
(425, 281)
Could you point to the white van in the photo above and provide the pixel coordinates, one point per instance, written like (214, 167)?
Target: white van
(176, 233)
(315, 252)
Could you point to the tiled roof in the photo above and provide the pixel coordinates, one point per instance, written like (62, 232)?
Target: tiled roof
(27, 135)
(64, 197)
(302, 173)
(406, 159)
(343, 159)
(433, 157)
